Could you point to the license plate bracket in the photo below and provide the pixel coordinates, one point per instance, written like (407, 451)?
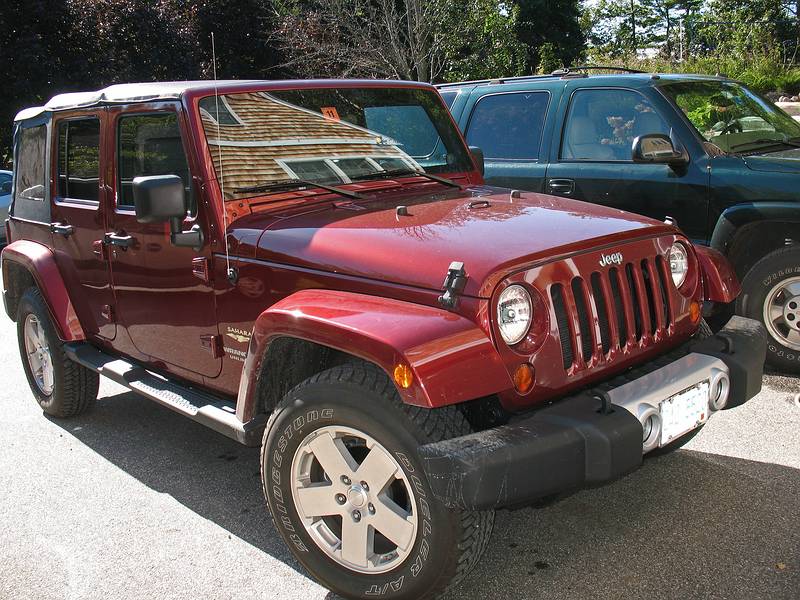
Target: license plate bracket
(684, 411)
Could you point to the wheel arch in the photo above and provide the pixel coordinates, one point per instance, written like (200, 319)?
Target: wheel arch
(745, 233)
(451, 359)
(25, 264)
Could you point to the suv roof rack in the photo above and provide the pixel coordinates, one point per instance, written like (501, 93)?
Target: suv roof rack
(565, 72)
(572, 70)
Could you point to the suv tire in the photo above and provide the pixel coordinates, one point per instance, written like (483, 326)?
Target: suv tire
(772, 286)
(357, 407)
(62, 388)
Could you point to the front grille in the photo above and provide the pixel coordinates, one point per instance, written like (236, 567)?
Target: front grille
(615, 307)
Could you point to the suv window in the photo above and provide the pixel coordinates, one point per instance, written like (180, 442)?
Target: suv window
(449, 98)
(30, 169)
(603, 123)
(509, 126)
(149, 144)
(79, 159)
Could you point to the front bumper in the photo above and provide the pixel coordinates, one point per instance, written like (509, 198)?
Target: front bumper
(595, 436)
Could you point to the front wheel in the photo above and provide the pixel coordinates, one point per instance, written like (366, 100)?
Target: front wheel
(348, 494)
(771, 294)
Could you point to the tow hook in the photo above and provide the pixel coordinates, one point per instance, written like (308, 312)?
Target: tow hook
(453, 285)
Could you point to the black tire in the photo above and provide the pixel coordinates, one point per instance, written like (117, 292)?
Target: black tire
(761, 279)
(704, 331)
(74, 388)
(449, 542)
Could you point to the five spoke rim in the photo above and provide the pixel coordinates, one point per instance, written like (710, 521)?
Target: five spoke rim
(782, 313)
(38, 352)
(354, 499)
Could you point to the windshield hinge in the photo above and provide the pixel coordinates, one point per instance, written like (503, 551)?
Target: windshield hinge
(453, 285)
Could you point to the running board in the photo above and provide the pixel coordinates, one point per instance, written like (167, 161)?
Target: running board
(211, 411)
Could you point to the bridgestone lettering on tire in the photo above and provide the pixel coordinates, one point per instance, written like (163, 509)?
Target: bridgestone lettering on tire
(342, 444)
(770, 293)
(73, 388)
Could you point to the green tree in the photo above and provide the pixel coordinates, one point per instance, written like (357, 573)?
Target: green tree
(556, 23)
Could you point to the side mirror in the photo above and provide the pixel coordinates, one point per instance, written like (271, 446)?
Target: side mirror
(161, 199)
(477, 156)
(657, 148)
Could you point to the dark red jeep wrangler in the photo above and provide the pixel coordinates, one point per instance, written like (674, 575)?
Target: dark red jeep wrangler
(318, 268)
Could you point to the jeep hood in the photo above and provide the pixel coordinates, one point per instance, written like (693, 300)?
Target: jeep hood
(492, 233)
(785, 161)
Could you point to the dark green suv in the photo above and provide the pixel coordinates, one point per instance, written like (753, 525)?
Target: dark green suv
(707, 152)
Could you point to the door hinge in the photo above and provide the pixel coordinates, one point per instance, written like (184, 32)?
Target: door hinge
(212, 344)
(107, 312)
(200, 269)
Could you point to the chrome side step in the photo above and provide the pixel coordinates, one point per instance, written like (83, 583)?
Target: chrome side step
(209, 410)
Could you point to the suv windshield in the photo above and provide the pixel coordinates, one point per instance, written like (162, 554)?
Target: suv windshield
(732, 117)
(326, 135)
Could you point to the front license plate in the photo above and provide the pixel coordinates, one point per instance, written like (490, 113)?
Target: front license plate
(684, 411)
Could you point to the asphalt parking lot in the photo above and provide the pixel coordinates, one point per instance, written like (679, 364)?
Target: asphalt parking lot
(133, 501)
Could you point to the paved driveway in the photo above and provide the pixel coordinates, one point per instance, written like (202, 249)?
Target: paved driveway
(133, 501)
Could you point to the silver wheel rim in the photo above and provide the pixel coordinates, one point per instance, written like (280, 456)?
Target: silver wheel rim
(782, 313)
(38, 354)
(354, 499)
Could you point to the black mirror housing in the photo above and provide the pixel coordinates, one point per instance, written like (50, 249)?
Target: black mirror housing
(658, 148)
(477, 157)
(159, 198)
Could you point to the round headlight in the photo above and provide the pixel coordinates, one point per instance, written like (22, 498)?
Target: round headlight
(678, 263)
(514, 314)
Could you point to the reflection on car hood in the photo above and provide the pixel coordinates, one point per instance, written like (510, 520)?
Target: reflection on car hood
(784, 161)
(491, 232)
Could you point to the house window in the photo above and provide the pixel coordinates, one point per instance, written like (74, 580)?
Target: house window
(210, 106)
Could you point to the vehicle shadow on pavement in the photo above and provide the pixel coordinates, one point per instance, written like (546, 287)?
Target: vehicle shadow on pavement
(686, 525)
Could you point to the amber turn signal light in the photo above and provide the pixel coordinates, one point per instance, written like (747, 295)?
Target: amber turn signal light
(523, 378)
(695, 312)
(403, 376)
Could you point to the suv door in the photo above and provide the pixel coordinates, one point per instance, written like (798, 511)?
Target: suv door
(163, 301)
(78, 211)
(593, 161)
(508, 127)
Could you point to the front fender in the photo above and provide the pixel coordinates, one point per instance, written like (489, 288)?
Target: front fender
(40, 262)
(451, 358)
(740, 215)
(720, 283)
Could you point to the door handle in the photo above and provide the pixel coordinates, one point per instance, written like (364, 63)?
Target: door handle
(119, 240)
(62, 229)
(561, 186)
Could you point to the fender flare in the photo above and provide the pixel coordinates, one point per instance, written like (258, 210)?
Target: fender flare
(735, 217)
(720, 283)
(452, 359)
(40, 262)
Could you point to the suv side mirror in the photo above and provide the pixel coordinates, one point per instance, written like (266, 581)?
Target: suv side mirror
(477, 156)
(659, 149)
(161, 198)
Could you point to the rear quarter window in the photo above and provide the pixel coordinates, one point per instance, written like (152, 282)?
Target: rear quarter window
(509, 126)
(31, 200)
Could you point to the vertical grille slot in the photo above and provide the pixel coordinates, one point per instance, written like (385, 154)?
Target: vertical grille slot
(619, 307)
(637, 307)
(562, 320)
(661, 269)
(583, 318)
(650, 294)
(602, 312)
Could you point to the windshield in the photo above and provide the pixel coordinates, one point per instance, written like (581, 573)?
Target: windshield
(326, 135)
(732, 117)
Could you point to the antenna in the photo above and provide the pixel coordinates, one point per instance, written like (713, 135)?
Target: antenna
(233, 275)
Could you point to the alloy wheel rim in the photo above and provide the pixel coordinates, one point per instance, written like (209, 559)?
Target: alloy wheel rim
(782, 313)
(354, 499)
(38, 354)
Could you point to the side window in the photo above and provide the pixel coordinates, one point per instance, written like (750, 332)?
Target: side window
(79, 159)
(150, 144)
(449, 98)
(30, 167)
(603, 123)
(410, 126)
(509, 126)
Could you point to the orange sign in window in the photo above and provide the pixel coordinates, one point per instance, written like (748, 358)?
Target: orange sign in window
(330, 112)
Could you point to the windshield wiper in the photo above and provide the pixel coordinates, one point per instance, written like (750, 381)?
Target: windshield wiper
(403, 173)
(291, 184)
(767, 142)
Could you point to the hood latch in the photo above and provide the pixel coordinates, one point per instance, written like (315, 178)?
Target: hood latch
(453, 285)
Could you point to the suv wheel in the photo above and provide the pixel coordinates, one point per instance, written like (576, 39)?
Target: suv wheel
(62, 387)
(347, 492)
(771, 294)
